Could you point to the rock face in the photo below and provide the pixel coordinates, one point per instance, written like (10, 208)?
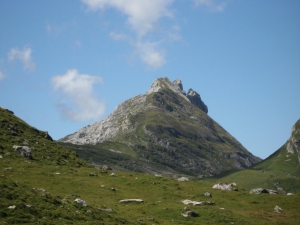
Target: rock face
(293, 144)
(195, 99)
(164, 131)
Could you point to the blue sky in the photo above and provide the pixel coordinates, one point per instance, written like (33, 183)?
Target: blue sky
(66, 64)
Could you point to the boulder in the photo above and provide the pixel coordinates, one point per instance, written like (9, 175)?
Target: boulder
(277, 209)
(226, 187)
(183, 179)
(80, 202)
(113, 175)
(258, 191)
(272, 192)
(190, 213)
(289, 194)
(207, 194)
(195, 203)
(131, 200)
(106, 167)
(25, 151)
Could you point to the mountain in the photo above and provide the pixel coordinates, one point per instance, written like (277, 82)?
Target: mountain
(280, 171)
(164, 131)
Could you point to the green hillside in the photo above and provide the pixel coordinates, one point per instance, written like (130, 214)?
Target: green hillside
(280, 171)
(42, 190)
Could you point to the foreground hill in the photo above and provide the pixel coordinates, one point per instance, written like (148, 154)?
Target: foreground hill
(280, 171)
(165, 131)
(41, 189)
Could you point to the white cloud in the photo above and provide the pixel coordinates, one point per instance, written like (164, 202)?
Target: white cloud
(151, 54)
(24, 56)
(212, 5)
(1, 75)
(142, 14)
(79, 102)
(143, 17)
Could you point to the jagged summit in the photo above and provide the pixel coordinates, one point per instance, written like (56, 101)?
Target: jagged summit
(165, 131)
(177, 87)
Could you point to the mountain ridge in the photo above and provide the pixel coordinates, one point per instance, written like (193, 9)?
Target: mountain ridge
(280, 171)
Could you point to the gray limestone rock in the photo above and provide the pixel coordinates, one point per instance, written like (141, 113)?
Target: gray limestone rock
(259, 191)
(80, 202)
(225, 187)
(207, 194)
(277, 209)
(131, 200)
(25, 151)
(195, 99)
(183, 179)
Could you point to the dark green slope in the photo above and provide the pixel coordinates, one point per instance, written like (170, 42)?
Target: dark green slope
(16, 132)
(280, 171)
(25, 182)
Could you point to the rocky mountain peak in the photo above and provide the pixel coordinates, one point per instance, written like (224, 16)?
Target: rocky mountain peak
(177, 87)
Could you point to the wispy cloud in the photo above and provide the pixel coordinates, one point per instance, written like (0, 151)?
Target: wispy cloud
(151, 54)
(1, 75)
(143, 17)
(118, 36)
(24, 56)
(78, 101)
(212, 5)
(54, 30)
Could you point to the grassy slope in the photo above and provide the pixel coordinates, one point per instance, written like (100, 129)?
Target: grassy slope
(281, 169)
(162, 196)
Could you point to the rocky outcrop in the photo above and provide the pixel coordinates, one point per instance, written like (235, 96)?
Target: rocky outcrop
(7, 110)
(25, 151)
(225, 187)
(81, 202)
(183, 179)
(259, 191)
(195, 99)
(293, 144)
(47, 136)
